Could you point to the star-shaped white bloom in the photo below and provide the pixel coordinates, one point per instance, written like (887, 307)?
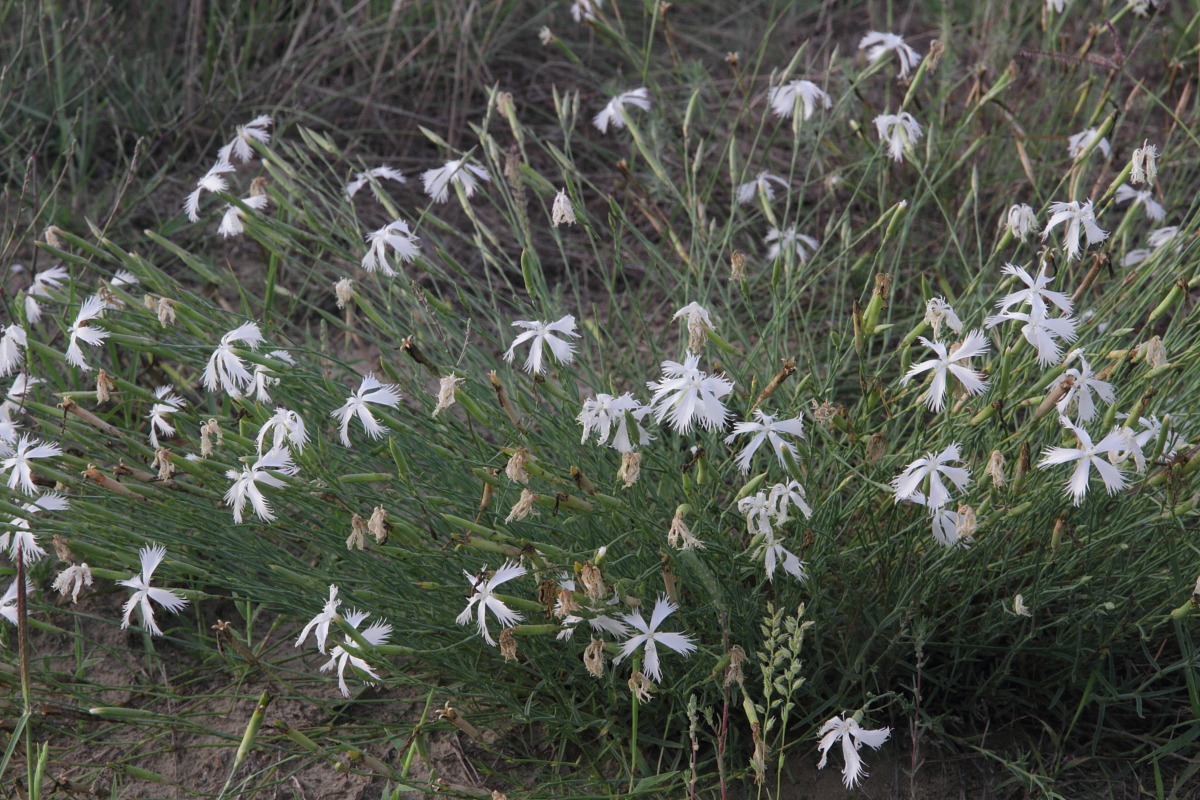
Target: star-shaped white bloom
(211, 182)
(853, 737)
(1145, 198)
(973, 345)
(245, 483)
(761, 183)
(1080, 142)
(225, 369)
(879, 44)
(399, 238)
(231, 221)
(543, 335)
(1162, 236)
(437, 181)
(611, 113)
(687, 394)
(20, 472)
(772, 551)
(783, 98)
(240, 148)
(597, 621)
(483, 598)
(371, 177)
(15, 397)
(1021, 220)
(900, 131)
(650, 637)
(263, 379)
(143, 592)
(22, 539)
(167, 403)
(784, 495)
(43, 282)
(939, 312)
(319, 625)
(1086, 455)
(760, 511)
(1040, 331)
(605, 415)
(1084, 384)
(340, 657)
(371, 391)
(10, 349)
(1035, 294)
(699, 323)
(89, 311)
(1079, 220)
(788, 240)
(766, 430)
(285, 428)
(909, 483)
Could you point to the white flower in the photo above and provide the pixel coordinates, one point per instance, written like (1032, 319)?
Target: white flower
(254, 130)
(89, 311)
(766, 430)
(211, 182)
(42, 283)
(761, 183)
(437, 181)
(900, 131)
(231, 222)
(1087, 454)
(1144, 165)
(143, 593)
(881, 44)
(375, 634)
(686, 394)
(771, 550)
(562, 213)
(225, 369)
(168, 403)
(759, 511)
(1145, 197)
(1056, 5)
(72, 580)
(319, 625)
(262, 379)
(286, 428)
(605, 414)
(371, 391)
(20, 473)
(788, 240)
(853, 737)
(483, 598)
(1084, 384)
(8, 603)
(20, 387)
(395, 235)
(585, 10)
(1162, 236)
(545, 35)
(1040, 331)
(699, 323)
(10, 349)
(650, 637)
(371, 176)
(1080, 142)
(1075, 215)
(1021, 220)
(908, 484)
(1035, 293)
(783, 98)
(611, 114)
(974, 344)
(22, 537)
(938, 312)
(783, 495)
(542, 334)
(245, 483)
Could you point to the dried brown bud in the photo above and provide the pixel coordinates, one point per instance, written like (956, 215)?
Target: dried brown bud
(593, 582)
(737, 266)
(508, 645)
(641, 686)
(104, 386)
(378, 524)
(593, 658)
(515, 469)
(357, 540)
(877, 447)
(523, 508)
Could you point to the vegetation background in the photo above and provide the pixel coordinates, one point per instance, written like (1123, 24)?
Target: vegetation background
(110, 111)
